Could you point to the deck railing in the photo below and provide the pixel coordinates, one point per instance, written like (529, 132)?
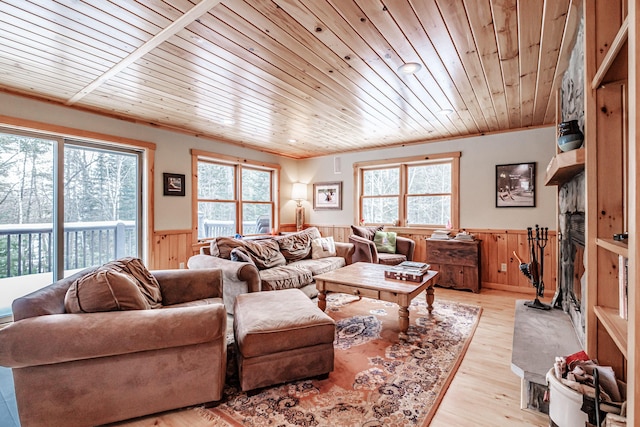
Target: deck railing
(215, 228)
(28, 248)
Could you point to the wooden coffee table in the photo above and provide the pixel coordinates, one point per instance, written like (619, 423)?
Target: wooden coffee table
(367, 280)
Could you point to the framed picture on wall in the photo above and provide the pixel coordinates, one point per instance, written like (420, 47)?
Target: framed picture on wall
(173, 184)
(515, 185)
(327, 196)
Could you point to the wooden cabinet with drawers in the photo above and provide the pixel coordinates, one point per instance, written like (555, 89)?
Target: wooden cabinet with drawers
(457, 262)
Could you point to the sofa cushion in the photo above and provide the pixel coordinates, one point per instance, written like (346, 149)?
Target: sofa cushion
(196, 303)
(319, 266)
(366, 232)
(147, 284)
(323, 247)
(285, 277)
(297, 246)
(272, 322)
(104, 290)
(222, 246)
(385, 241)
(241, 255)
(265, 254)
(391, 259)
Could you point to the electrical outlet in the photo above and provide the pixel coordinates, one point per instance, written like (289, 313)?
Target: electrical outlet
(503, 266)
(182, 265)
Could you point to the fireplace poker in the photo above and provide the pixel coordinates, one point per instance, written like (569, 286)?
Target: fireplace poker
(535, 269)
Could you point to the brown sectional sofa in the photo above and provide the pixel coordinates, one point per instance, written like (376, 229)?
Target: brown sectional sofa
(272, 263)
(85, 369)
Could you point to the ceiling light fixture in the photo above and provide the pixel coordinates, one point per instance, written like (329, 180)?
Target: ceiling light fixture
(409, 68)
(445, 111)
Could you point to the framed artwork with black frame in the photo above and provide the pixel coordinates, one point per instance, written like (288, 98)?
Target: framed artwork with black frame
(515, 185)
(327, 196)
(173, 184)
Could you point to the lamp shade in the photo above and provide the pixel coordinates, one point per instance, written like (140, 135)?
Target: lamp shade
(299, 191)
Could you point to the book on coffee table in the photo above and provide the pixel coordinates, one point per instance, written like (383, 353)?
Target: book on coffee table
(408, 270)
(413, 265)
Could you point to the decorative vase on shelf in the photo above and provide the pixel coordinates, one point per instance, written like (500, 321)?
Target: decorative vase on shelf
(569, 135)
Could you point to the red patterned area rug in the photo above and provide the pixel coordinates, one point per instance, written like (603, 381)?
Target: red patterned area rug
(378, 380)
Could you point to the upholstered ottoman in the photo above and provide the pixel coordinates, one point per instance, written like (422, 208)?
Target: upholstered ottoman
(281, 336)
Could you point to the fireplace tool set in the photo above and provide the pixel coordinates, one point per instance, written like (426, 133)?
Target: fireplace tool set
(534, 270)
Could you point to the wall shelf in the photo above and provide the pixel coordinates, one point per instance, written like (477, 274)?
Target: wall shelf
(565, 166)
(612, 54)
(615, 325)
(615, 246)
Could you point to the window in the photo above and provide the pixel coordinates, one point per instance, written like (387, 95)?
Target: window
(410, 192)
(233, 196)
(65, 205)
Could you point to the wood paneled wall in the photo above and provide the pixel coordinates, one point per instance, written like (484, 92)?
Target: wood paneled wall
(170, 248)
(496, 248)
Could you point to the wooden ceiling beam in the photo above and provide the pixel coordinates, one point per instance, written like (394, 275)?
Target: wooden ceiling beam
(179, 24)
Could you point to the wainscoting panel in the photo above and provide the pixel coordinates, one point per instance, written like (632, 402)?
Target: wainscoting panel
(497, 248)
(170, 248)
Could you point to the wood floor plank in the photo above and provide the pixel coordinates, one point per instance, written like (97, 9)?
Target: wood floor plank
(484, 392)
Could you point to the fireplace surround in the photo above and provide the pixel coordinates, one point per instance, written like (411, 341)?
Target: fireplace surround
(571, 280)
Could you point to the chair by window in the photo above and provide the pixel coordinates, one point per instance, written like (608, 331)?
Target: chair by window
(379, 249)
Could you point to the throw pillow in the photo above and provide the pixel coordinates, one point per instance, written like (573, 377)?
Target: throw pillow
(104, 290)
(146, 282)
(265, 254)
(241, 255)
(222, 246)
(385, 241)
(323, 247)
(366, 232)
(297, 246)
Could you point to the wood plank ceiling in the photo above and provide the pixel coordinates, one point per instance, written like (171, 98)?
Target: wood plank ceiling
(299, 78)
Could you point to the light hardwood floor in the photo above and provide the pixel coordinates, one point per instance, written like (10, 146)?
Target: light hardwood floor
(484, 392)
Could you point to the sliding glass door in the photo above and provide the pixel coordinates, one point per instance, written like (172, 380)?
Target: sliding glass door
(64, 206)
(102, 201)
(26, 209)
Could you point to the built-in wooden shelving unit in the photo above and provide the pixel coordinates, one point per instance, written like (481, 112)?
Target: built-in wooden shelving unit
(615, 246)
(612, 55)
(612, 177)
(564, 166)
(615, 326)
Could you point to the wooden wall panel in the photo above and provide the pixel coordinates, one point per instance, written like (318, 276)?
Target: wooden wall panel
(497, 247)
(170, 248)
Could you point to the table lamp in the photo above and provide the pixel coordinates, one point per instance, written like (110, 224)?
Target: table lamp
(299, 193)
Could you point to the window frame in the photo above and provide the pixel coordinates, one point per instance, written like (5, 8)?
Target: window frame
(403, 165)
(239, 165)
(97, 142)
